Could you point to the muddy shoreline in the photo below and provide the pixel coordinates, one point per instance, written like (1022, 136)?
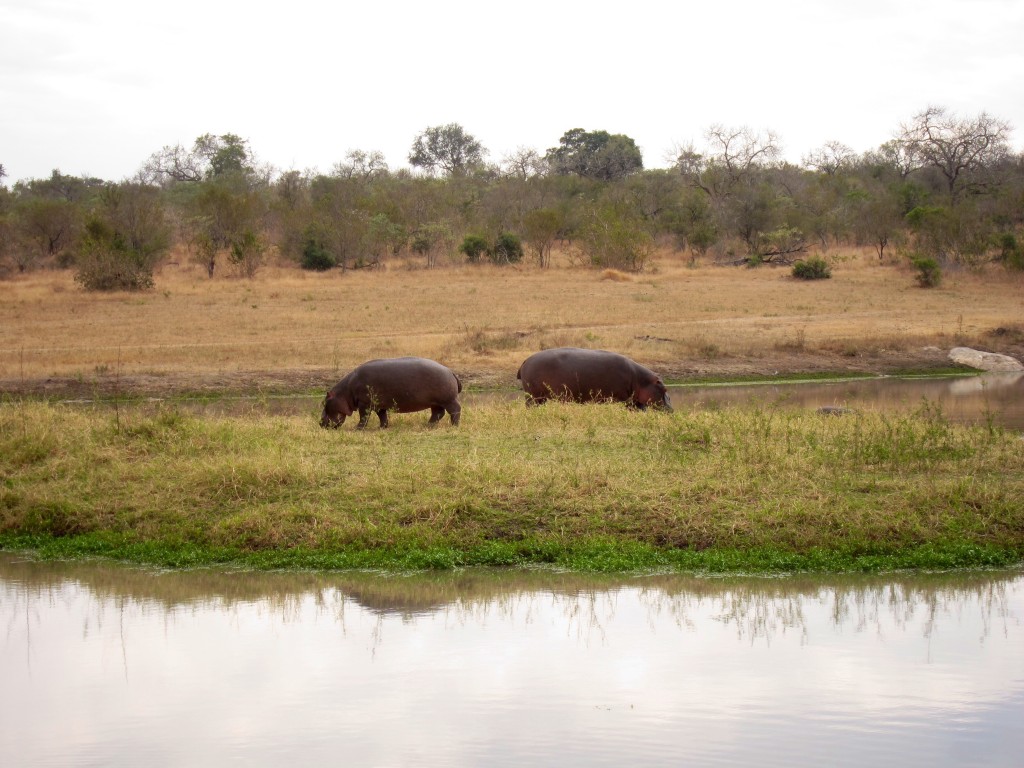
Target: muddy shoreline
(483, 376)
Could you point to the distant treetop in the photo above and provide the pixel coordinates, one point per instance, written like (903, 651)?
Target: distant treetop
(595, 154)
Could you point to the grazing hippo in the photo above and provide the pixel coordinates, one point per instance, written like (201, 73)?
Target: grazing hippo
(589, 375)
(402, 384)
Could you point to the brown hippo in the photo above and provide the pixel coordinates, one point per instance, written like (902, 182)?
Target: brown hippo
(402, 384)
(590, 375)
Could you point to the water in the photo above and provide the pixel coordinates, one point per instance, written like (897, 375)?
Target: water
(996, 399)
(109, 665)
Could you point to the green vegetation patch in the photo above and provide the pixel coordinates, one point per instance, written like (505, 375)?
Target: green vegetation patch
(597, 488)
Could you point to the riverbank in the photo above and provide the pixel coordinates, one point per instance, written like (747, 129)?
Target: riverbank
(108, 384)
(753, 489)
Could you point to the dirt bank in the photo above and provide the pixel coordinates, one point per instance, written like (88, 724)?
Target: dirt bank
(484, 376)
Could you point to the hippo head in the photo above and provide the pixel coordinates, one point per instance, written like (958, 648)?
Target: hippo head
(653, 393)
(336, 408)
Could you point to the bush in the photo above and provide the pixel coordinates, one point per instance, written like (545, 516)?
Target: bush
(615, 236)
(1011, 253)
(929, 274)
(474, 247)
(814, 268)
(107, 261)
(316, 257)
(248, 253)
(507, 249)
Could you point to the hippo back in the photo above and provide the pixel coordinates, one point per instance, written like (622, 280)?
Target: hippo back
(584, 375)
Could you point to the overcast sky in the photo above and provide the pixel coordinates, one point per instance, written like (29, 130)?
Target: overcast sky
(96, 87)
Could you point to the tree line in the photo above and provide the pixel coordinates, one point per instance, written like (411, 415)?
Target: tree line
(945, 188)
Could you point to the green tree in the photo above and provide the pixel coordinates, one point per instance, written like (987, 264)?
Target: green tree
(447, 149)
(473, 246)
(877, 218)
(595, 154)
(223, 209)
(315, 255)
(507, 249)
(947, 234)
(46, 226)
(209, 156)
(693, 223)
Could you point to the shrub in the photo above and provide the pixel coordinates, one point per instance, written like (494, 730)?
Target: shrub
(316, 257)
(248, 252)
(615, 237)
(507, 249)
(1011, 253)
(474, 247)
(814, 268)
(929, 274)
(108, 262)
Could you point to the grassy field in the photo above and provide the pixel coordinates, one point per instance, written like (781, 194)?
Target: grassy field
(289, 329)
(583, 487)
(588, 487)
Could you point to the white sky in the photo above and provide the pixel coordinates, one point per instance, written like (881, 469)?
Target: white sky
(96, 87)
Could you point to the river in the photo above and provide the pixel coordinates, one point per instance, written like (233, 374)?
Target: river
(118, 666)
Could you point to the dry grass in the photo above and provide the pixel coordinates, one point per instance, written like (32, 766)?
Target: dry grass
(484, 320)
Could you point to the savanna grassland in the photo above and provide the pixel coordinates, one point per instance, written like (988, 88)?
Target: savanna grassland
(294, 330)
(592, 487)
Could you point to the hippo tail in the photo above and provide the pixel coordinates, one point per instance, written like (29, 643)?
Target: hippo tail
(519, 373)
(458, 382)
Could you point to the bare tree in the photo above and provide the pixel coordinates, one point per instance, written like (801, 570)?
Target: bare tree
(731, 157)
(361, 165)
(524, 163)
(956, 146)
(732, 172)
(892, 155)
(830, 158)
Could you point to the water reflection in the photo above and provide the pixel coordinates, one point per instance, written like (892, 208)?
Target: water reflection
(996, 398)
(109, 665)
(990, 398)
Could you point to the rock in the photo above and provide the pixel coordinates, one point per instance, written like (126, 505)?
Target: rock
(985, 361)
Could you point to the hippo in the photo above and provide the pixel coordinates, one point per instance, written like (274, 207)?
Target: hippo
(590, 375)
(402, 384)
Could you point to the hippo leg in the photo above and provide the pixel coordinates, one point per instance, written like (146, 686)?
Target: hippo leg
(532, 401)
(436, 414)
(364, 416)
(455, 411)
(382, 414)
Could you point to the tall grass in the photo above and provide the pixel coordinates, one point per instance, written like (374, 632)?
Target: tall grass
(584, 486)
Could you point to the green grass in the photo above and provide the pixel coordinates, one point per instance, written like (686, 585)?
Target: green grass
(597, 488)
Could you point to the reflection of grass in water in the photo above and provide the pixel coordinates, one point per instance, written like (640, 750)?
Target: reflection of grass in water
(761, 488)
(755, 606)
